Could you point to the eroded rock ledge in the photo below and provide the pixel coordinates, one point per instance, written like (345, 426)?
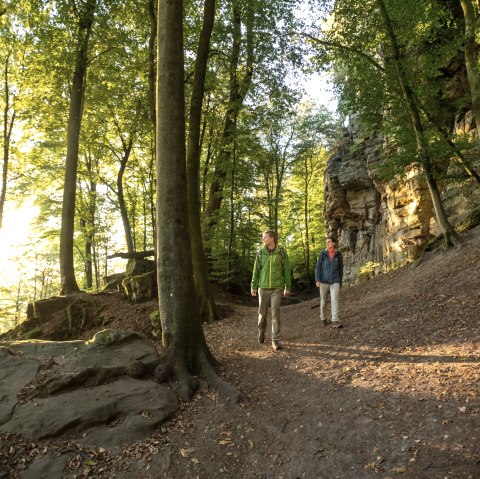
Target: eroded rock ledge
(383, 225)
(101, 391)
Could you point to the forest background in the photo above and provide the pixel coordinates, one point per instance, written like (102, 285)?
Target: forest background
(263, 147)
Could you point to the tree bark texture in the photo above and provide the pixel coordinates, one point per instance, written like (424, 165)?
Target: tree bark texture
(449, 234)
(86, 16)
(186, 351)
(203, 289)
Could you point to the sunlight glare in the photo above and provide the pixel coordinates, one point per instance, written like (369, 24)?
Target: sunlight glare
(14, 235)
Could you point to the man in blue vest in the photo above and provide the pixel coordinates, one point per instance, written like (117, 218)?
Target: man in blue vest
(328, 277)
(271, 278)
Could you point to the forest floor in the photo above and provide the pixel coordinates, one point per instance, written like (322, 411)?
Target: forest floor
(394, 393)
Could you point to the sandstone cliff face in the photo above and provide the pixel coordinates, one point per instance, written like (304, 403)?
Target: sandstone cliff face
(383, 225)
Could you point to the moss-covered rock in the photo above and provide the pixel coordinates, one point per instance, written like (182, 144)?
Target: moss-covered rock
(137, 266)
(140, 288)
(113, 282)
(109, 336)
(468, 220)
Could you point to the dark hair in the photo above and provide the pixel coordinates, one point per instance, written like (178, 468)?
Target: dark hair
(332, 238)
(272, 234)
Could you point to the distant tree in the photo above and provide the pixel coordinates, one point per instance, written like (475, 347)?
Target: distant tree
(84, 13)
(9, 114)
(240, 80)
(202, 282)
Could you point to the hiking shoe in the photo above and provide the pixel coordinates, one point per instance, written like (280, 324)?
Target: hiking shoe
(261, 337)
(337, 324)
(276, 346)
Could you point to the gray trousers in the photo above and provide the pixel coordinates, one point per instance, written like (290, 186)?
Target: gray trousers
(269, 297)
(334, 290)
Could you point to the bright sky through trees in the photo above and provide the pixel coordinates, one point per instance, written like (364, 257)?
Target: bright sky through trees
(13, 235)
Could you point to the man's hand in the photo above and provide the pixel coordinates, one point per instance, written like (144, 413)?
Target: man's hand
(286, 292)
(253, 292)
(318, 284)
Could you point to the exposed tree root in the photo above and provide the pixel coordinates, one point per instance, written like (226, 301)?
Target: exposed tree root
(213, 379)
(188, 378)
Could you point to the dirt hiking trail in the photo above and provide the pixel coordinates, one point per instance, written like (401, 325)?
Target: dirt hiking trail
(395, 393)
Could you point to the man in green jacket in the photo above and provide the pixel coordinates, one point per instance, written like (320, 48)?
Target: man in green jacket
(271, 278)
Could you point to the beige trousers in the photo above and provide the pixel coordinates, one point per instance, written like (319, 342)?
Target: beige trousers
(269, 297)
(334, 290)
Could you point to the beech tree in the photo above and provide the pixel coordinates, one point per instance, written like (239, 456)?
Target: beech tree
(202, 282)
(84, 13)
(186, 351)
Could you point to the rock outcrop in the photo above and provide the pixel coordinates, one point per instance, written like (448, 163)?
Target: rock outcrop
(383, 225)
(99, 391)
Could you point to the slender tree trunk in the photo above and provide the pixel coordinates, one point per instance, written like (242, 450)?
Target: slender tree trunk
(206, 167)
(127, 148)
(7, 135)
(231, 235)
(238, 90)
(203, 289)
(152, 15)
(449, 234)
(307, 178)
(471, 59)
(67, 269)
(182, 333)
(96, 265)
(152, 102)
(88, 223)
(280, 168)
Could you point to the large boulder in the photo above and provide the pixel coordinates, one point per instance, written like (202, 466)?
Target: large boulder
(100, 391)
(140, 288)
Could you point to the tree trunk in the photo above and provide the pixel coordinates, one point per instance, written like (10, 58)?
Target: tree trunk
(152, 103)
(151, 62)
(186, 351)
(231, 236)
(471, 59)
(208, 309)
(127, 148)
(449, 234)
(7, 135)
(67, 269)
(88, 223)
(89, 256)
(238, 91)
(206, 167)
(307, 178)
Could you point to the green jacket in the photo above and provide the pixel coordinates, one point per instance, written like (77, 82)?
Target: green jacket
(272, 271)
